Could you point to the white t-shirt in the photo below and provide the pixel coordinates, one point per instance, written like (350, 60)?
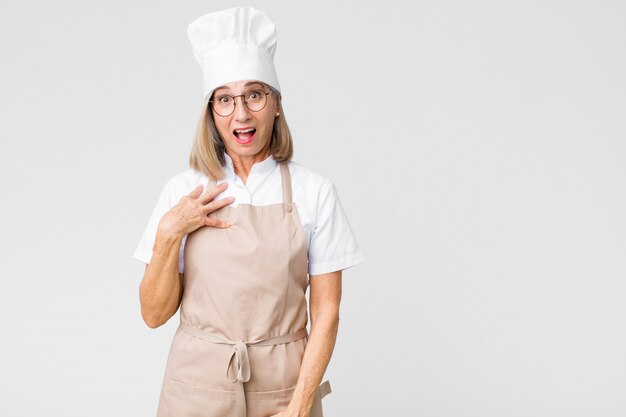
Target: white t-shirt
(332, 244)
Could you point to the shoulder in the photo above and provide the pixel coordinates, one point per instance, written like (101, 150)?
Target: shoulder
(315, 191)
(308, 180)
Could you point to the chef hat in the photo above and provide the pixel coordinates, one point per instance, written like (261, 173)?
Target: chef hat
(234, 44)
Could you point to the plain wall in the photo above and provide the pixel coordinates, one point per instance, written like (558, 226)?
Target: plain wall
(478, 149)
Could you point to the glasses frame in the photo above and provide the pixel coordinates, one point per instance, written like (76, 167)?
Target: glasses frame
(242, 99)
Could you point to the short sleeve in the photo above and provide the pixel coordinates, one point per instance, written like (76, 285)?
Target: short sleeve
(333, 245)
(167, 199)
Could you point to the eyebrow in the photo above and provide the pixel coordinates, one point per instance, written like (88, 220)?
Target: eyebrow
(245, 85)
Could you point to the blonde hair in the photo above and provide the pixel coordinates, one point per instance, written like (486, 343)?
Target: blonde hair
(207, 151)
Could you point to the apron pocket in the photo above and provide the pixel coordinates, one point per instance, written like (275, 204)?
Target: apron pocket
(267, 403)
(184, 400)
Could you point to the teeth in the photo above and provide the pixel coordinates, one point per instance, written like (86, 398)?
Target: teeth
(244, 131)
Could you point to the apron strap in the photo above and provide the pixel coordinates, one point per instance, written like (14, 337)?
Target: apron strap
(286, 178)
(324, 389)
(210, 184)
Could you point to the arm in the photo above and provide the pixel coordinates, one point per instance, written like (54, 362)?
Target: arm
(325, 296)
(161, 288)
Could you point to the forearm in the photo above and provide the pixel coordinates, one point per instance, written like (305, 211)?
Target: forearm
(160, 288)
(317, 355)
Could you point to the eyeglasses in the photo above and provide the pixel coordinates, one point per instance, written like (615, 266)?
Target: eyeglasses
(224, 104)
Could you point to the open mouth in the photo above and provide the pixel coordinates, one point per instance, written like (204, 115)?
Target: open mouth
(245, 135)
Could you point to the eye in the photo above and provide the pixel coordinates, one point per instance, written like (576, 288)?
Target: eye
(254, 94)
(223, 99)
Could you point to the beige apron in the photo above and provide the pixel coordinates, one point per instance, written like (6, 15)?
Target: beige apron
(243, 315)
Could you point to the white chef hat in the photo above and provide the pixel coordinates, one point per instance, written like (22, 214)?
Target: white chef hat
(234, 44)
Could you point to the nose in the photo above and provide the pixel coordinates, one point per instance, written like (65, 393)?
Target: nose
(241, 112)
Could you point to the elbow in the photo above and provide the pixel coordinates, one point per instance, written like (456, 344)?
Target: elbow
(151, 321)
(153, 314)
(152, 324)
(154, 317)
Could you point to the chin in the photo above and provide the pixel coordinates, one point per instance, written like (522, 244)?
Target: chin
(244, 150)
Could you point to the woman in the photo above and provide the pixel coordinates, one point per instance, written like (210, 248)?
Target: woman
(235, 255)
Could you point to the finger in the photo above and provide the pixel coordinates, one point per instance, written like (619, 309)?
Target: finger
(195, 193)
(210, 221)
(218, 204)
(210, 195)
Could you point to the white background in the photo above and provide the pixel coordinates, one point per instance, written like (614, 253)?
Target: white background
(478, 149)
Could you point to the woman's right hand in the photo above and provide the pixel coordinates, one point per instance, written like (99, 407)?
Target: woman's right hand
(192, 211)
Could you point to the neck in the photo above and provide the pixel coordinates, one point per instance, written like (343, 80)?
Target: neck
(242, 164)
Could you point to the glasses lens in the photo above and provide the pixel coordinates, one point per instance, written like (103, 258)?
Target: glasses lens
(223, 105)
(255, 100)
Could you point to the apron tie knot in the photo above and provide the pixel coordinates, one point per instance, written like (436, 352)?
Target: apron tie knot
(240, 354)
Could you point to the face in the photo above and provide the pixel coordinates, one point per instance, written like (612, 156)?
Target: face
(261, 121)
